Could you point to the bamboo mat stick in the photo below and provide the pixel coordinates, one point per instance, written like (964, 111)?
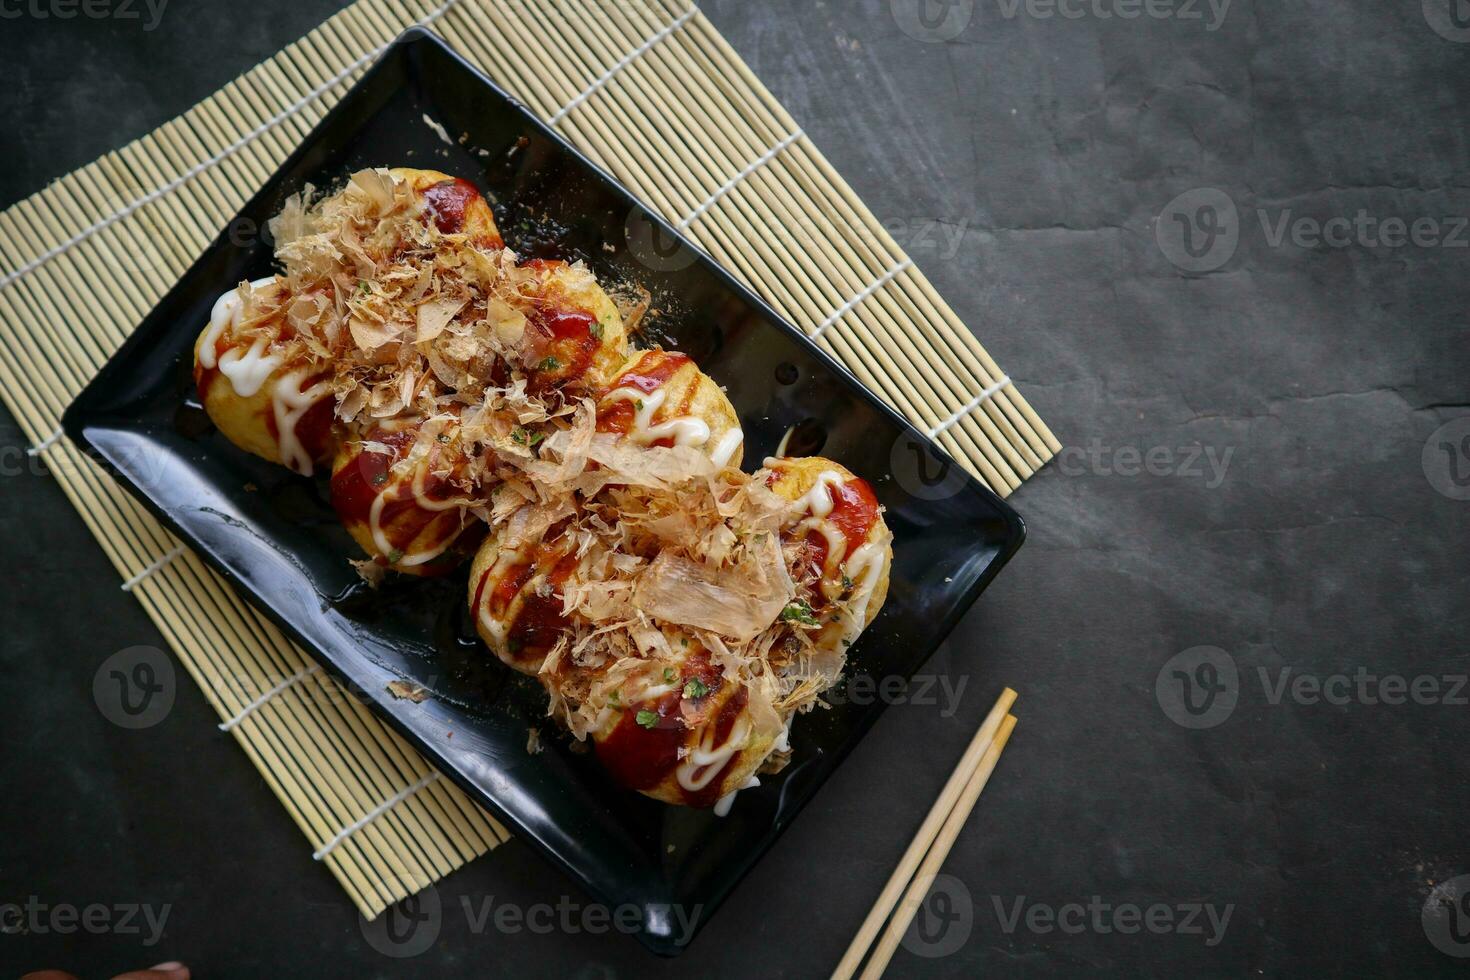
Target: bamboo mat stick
(926, 834)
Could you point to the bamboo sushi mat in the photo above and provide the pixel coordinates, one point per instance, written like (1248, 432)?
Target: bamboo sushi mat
(651, 92)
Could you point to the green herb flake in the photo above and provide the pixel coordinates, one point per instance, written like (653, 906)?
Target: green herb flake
(615, 698)
(846, 582)
(395, 556)
(695, 689)
(549, 364)
(595, 330)
(799, 612)
(648, 719)
(364, 287)
(669, 675)
(526, 437)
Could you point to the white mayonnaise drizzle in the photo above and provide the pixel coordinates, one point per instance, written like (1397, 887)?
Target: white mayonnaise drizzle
(725, 448)
(865, 568)
(781, 446)
(818, 500)
(685, 430)
(424, 502)
(248, 370)
(704, 762)
(504, 562)
(836, 544)
(722, 808)
(226, 313)
(290, 403)
(783, 741)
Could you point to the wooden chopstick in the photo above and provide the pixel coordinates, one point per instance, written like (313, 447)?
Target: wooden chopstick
(955, 798)
(919, 887)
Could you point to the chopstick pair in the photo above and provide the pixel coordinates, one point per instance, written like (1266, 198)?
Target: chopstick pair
(930, 846)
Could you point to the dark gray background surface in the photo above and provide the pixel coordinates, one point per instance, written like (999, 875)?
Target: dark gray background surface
(1023, 163)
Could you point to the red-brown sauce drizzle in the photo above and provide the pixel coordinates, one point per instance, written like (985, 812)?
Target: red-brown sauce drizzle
(567, 346)
(641, 758)
(854, 512)
(314, 427)
(404, 523)
(539, 622)
(447, 202)
(563, 336)
(652, 372)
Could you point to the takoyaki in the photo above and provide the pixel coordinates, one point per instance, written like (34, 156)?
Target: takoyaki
(516, 596)
(260, 391)
(574, 337)
(454, 205)
(679, 730)
(843, 547)
(677, 617)
(399, 487)
(661, 398)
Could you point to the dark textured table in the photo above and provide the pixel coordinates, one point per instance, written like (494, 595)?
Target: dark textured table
(1223, 249)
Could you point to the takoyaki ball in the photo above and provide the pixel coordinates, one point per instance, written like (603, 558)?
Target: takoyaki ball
(516, 597)
(397, 486)
(680, 731)
(454, 205)
(662, 399)
(845, 548)
(260, 395)
(574, 338)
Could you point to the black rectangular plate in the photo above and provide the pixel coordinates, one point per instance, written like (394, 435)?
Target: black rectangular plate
(274, 535)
